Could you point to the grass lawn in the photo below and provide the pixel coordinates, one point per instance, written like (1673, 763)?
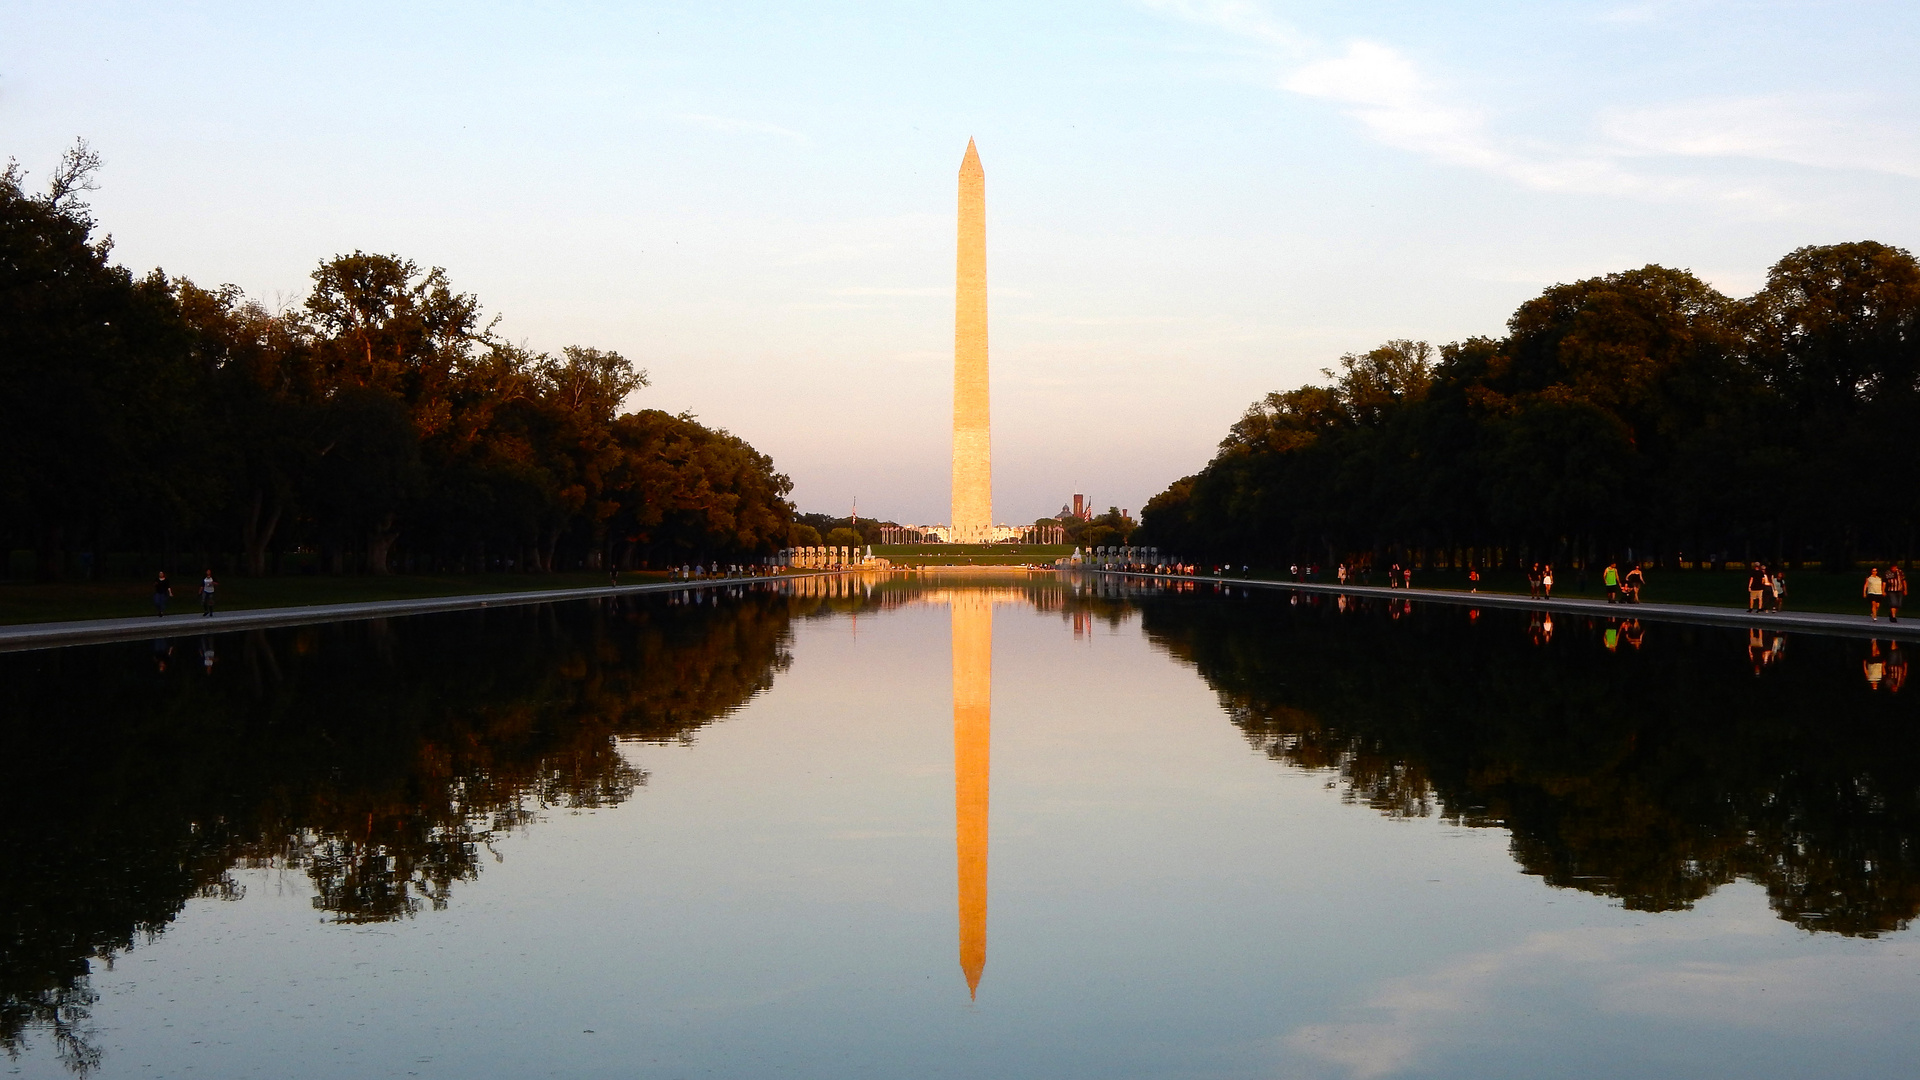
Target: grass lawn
(45, 601)
(1807, 590)
(974, 554)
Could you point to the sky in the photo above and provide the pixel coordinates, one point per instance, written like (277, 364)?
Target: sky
(1189, 204)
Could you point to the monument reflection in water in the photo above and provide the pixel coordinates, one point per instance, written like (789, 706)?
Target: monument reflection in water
(972, 761)
(1231, 835)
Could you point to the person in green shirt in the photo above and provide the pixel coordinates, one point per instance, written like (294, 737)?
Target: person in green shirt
(1611, 579)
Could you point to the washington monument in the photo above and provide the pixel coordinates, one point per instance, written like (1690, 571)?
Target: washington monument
(972, 445)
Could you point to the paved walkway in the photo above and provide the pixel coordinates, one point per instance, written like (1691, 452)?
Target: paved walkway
(1805, 621)
(50, 635)
(186, 622)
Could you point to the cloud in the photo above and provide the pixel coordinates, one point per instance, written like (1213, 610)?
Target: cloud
(1400, 105)
(729, 123)
(1390, 97)
(1243, 19)
(1660, 972)
(1832, 132)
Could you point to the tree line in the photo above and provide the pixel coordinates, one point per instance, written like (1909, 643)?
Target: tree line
(382, 424)
(1641, 414)
(381, 761)
(1650, 775)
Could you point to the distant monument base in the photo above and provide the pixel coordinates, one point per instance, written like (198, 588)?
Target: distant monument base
(992, 569)
(962, 556)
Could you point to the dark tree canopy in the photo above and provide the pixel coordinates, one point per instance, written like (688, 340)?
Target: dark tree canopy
(1639, 411)
(380, 425)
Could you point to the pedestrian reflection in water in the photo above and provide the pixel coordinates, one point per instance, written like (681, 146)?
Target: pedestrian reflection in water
(1626, 632)
(1885, 670)
(206, 655)
(162, 649)
(1764, 650)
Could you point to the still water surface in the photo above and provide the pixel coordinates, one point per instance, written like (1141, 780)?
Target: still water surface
(1001, 829)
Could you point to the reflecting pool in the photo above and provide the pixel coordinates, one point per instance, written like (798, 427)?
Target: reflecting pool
(1007, 827)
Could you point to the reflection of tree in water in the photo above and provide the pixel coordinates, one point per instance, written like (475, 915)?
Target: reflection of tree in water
(1653, 776)
(380, 759)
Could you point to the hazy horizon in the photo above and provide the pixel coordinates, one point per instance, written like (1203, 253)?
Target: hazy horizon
(1188, 205)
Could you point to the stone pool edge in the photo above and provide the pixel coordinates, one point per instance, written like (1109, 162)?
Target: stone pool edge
(1858, 626)
(23, 637)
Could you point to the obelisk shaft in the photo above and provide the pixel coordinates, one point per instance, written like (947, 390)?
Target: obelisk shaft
(972, 448)
(972, 755)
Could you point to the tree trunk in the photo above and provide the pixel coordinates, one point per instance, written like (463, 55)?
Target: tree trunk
(258, 534)
(379, 544)
(51, 556)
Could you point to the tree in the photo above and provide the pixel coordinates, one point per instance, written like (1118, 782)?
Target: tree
(381, 422)
(1639, 409)
(104, 436)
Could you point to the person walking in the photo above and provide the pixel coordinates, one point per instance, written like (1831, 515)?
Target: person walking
(1473, 579)
(1779, 590)
(1756, 584)
(1874, 591)
(161, 591)
(207, 585)
(1546, 582)
(1533, 582)
(1636, 580)
(1896, 591)
(1611, 579)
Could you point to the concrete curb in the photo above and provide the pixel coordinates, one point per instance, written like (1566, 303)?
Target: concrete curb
(28, 636)
(1858, 626)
